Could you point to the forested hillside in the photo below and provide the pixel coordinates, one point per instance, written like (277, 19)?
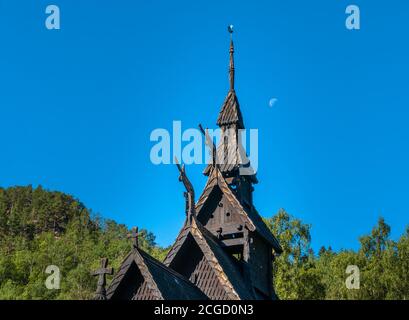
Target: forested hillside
(39, 228)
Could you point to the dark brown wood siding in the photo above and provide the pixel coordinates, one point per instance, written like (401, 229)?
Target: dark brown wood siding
(224, 216)
(260, 264)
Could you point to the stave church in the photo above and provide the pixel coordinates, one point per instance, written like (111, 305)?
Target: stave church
(224, 250)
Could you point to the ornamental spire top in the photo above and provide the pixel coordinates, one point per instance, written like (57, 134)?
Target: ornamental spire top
(231, 67)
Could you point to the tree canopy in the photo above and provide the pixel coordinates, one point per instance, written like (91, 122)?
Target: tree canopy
(300, 274)
(39, 228)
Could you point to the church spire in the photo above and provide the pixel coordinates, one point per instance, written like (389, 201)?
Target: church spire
(231, 68)
(230, 113)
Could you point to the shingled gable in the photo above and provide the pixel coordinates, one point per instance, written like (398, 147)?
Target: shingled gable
(225, 269)
(230, 112)
(141, 277)
(252, 219)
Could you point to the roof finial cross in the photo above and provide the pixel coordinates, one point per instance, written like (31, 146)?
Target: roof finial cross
(100, 293)
(134, 235)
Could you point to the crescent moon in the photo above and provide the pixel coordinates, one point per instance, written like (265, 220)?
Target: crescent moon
(272, 102)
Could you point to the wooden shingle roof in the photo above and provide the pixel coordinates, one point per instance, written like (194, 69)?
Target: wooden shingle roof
(230, 112)
(222, 264)
(253, 220)
(163, 282)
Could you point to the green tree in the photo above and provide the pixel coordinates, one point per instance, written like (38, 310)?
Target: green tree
(294, 272)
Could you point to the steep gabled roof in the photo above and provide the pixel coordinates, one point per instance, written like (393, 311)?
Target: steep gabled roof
(252, 219)
(164, 283)
(222, 264)
(230, 112)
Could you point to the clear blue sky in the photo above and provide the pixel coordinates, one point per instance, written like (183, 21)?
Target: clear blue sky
(77, 105)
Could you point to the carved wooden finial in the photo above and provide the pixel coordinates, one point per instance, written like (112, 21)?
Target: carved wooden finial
(134, 235)
(190, 192)
(186, 195)
(210, 144)
(100, 293)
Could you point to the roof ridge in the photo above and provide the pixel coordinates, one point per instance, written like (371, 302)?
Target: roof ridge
(209, 183)
(146, 273)
(178, 238)
(164, 267)
(230, 111)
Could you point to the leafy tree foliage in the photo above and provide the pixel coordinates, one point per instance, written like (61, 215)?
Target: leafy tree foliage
(295, 272)
(39, 228)
(300, 274)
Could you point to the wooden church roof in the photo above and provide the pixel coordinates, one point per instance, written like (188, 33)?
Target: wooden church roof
(222, 264)
(253, 220)
(230, 112)
(163, 282)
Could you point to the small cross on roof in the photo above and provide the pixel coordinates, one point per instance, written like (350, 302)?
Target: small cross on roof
(100, 293)
(134, 236)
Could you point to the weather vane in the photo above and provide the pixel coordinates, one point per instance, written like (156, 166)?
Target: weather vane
(230, 28)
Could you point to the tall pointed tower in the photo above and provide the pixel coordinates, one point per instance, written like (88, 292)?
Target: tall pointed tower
(231, 155)
(226, 207)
